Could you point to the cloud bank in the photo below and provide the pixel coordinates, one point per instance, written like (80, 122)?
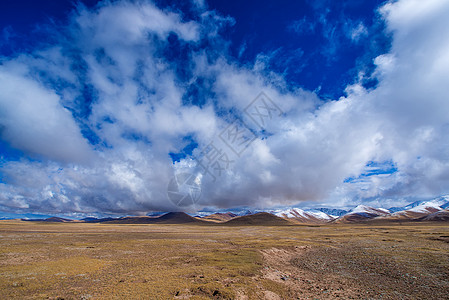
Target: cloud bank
(97, 111)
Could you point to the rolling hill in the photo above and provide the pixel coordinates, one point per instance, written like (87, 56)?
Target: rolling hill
(219, 217)
(362, 213)
(176, 218)
(442, 215)
(414, 213)
(424, 210)
(50, 220)
(168, 218)
(258, 219)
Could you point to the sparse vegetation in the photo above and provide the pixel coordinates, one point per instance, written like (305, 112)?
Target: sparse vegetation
(160, 261)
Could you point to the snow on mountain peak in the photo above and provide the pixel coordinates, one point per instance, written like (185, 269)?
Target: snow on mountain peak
(370, 210)
(426, 207)
(437, 202)
(298, 213)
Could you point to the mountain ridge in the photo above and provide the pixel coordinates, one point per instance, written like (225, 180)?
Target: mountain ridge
(423, 210)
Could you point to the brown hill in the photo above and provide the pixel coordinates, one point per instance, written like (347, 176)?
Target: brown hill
(259, 219)
(427, 213)
(57, 219)
(411, 214)
(168, 218)
(219, 217)
(355, 218)
(50, 220)
(176, 218)
(442, 215)
(130, 220)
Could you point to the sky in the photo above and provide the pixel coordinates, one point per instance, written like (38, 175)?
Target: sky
(129, 107)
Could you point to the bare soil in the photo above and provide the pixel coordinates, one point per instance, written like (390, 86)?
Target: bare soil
(159, 261)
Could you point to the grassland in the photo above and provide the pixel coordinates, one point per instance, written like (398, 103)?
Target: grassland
(152, 261)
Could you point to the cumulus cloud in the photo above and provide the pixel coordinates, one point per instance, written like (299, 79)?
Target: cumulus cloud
(97, 113)
(33, 120)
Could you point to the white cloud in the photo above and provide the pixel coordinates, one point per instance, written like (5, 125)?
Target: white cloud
(137, 115)
(33, 120)
(358, 32)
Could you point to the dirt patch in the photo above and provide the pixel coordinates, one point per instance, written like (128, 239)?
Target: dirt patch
(303, 283)
(349, 272)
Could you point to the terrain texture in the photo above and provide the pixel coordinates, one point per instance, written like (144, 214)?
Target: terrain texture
(44, 260)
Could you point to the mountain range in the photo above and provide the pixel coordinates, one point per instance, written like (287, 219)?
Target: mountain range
(425, 210)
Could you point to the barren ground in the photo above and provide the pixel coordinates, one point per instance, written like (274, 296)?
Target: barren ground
(100, 261)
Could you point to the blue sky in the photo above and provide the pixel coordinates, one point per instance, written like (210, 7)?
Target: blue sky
(310, 42)
(336, 103)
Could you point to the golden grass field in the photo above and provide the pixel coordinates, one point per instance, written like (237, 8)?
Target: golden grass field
(106, 261)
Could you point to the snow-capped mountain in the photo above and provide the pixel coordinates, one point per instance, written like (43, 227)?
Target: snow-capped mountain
(369, 210)
(332, 211)
(418, 209)
(426, 210)
(442, 202)
(303, 216)
(416, 212)
(362, 213)
(413, 211)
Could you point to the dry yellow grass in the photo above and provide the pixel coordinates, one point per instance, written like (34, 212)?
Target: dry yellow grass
(106, 261)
